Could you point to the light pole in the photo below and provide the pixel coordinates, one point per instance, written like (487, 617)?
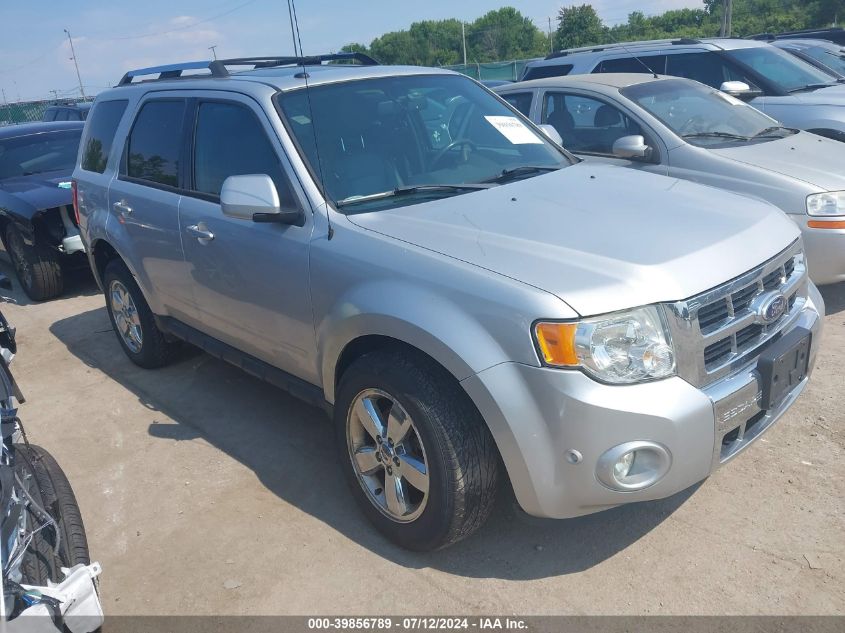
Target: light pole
(76, 65)
(213, 50)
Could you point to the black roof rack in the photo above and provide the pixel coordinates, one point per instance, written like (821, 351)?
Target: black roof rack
(218, 67)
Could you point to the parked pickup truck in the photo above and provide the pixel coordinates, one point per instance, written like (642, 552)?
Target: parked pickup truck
(469, 300)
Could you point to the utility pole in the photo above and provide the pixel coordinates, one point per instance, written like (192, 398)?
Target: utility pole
(213, 50)
(5, 101)
(551, 45)
(730, 17)
(727, 11)
(55, 95)
(464, 39)
(73, 57)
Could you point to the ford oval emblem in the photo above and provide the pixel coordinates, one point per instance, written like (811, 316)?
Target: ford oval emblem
(770, 307)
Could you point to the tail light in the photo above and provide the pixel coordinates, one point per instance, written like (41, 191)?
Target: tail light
(74, 192)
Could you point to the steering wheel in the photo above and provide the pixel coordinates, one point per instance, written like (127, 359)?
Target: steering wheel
(696, 121)
(458, 142)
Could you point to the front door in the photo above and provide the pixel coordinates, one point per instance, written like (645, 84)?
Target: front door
(250, 280)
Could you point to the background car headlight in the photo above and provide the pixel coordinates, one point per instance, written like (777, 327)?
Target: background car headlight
(621, 348)
(828, 203)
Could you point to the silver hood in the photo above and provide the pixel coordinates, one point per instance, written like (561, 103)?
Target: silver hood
(600, 237)
(832, 95)
(804, 156)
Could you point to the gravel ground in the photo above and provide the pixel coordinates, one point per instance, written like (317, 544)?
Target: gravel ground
(205, 491)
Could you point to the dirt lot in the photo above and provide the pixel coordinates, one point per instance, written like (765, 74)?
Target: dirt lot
(206, 491)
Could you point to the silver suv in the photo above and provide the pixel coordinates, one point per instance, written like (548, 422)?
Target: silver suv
(781, 85)
(469, 300)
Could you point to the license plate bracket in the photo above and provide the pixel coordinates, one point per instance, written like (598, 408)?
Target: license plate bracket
(783, 366)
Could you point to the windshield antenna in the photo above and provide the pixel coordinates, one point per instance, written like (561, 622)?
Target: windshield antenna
(627, 50)
(304, 75)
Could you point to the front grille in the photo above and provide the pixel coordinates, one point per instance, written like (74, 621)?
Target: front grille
(722, 324)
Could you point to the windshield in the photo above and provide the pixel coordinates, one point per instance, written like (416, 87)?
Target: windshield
(37, 153)
(783, 69)
(829, 56)
(702, 115)
(393, 141)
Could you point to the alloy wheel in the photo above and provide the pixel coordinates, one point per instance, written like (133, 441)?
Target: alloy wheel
(126, 317)
(387, 455)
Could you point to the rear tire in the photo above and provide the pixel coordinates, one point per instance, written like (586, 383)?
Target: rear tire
(37, 268)
(446, 434)
(134, 324)
(48, 485)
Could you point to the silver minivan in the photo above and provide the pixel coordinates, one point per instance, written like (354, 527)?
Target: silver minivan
(679, 127)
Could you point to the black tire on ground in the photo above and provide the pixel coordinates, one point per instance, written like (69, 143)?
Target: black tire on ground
(50, 488)
(155, 351)
(37, 267)
(463, 459)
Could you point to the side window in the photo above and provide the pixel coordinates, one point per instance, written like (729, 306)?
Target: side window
(99, 134)
(706, 67)
(50, 115)
(585, 124)
(73, 115)
(520, 100)
(230, 141)
(153, 148)
(544, 72)
(61, 115)
(640, 64)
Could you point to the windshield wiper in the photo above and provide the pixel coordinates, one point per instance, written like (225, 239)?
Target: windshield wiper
(409, 190)
(524, 170)
(810, 87)
(775, 128)
(736, 137)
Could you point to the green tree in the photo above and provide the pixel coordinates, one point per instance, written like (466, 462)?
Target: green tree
(504, 34)
(579, 26)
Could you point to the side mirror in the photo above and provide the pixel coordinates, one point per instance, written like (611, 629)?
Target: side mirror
(740, 90)
(552, 133)
(630, 147)
(254, 197)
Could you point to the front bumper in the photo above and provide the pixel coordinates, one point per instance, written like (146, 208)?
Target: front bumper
(538, 416)
(825, 252)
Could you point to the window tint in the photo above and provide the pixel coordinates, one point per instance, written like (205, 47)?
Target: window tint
(230, 141)
(50, 114)
(521, 101)
(61, 115)
(39, 153)
(73, 115)
(99, 134)
(586, 124)
(641, 64)
(708, 68)
(155, 141)
(543, 72)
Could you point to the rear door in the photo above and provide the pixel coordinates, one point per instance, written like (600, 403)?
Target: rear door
(144, 203)
(250, 280)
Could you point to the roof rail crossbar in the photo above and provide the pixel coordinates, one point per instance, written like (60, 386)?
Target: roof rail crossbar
(171, 71)
(622, 45)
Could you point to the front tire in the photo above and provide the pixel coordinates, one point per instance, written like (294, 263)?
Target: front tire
(132, 319)
(37, 267)
(415, 451)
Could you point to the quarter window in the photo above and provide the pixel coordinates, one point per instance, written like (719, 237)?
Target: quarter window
(230, 141)
(155, 141)
(99, 136)
(640, 64)
(520, 100)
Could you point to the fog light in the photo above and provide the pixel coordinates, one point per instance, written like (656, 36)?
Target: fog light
(633, 465)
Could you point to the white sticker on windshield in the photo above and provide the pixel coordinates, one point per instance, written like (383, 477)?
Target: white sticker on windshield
(514, 130)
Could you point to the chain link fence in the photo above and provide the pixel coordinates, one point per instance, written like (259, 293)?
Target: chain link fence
(28, 111)
(502, 71)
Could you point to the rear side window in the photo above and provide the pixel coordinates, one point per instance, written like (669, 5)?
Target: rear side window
(519, 100)
(61, 115)
(230, 141)
(542, 72)
(49, 115)
(99, 134)
(154, 144)
(641, 64)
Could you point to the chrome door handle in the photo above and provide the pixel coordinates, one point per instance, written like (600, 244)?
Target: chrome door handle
(121, 206)
(200, 233)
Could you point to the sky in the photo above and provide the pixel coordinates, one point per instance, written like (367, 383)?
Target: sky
(112, 36)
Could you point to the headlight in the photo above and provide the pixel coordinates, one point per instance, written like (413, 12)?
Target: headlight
(828, 203)
(619, 348)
